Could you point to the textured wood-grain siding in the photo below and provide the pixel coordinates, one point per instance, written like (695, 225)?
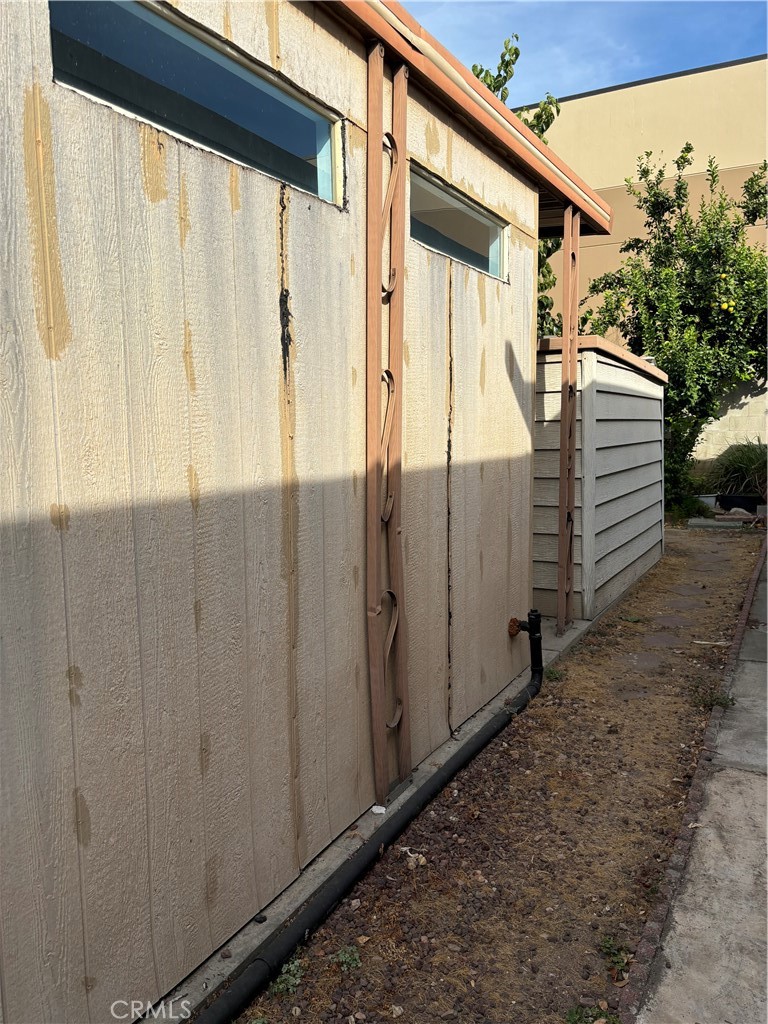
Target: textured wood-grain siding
(185, 712)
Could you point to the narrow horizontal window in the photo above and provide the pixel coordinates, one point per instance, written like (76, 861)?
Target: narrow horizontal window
(454, 226)
(130, 56)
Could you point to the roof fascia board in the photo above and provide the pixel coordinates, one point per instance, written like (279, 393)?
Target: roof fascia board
(444, 75)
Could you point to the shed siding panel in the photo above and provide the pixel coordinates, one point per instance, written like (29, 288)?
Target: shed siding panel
(41, 926)
(104, 611)
(490, 474)
(425, 495)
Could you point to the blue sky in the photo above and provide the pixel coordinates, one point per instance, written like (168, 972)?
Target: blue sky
(571, 46)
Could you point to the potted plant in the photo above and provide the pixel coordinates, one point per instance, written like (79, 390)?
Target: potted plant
(738, 476)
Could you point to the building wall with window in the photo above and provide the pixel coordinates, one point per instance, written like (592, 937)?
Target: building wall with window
(722, 111)
(185, 710)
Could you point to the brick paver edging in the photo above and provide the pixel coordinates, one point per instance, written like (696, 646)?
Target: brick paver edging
(631, 998)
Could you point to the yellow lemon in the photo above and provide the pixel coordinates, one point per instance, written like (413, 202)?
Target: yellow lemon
(722, 277)
(723, 305)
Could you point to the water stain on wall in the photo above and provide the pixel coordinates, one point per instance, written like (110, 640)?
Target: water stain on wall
(60, 517)
(82, 819)
(51, 312)
(184, 221)
(234, 188)
(187, 355)
(227, 22)
(154, 172)
(194, 488)
(482, 371)
(75, 680)
(273, 32)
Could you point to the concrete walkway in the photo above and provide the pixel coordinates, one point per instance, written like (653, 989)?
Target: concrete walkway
(713, 967)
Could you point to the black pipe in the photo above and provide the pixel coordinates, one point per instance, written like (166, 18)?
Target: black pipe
(269, 957)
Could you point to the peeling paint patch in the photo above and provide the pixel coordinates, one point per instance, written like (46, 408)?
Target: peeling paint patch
(286, 339)
(194, 488)
(482, 372)
(273, 32)
(154, 174)
(184, 221)
(82, 818)
(234, 188)
(51, 312)
(189, 362)
(198, 611)
(75, 680)
(60, 517)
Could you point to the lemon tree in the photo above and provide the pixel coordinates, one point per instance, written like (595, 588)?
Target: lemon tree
(691, 293)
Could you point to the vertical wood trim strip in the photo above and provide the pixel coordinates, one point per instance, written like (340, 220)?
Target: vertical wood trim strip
(394, 464)
(573, 355)
(588, 482)
(373, 470)
(562, 521)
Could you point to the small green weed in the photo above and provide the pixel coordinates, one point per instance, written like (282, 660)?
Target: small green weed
(708, 693)
(590, 1014)
(348, 958)
(289, 978)
(554, 675)
(617, 958)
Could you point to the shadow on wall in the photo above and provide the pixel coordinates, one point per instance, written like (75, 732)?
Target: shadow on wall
(185, 716)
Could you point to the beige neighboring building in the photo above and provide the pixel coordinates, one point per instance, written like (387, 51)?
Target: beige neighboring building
(721, 110)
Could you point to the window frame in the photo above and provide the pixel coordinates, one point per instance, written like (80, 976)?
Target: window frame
(295, 97)
(460, 199)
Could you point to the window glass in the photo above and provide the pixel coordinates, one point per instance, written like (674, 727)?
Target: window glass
(443, 221)
(133, 57)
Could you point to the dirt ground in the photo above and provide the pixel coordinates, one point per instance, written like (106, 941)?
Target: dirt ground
(520, 892)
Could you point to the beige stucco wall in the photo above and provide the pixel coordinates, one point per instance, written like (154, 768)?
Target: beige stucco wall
(185, 715)
(722, 111)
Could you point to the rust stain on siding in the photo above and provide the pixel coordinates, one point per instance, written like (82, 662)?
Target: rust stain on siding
(75, 680)
(351, 266)
(60, 517)
(82, 818)
(194, 488)
(51, 313)
(273, 33)
(184, 221)
(198, 611)
(189, 361)
(482, 372)
(89, 982)
(154, 172)
(234, 188)
(354, 377)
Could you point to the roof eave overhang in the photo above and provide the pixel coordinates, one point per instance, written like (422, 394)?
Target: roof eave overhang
(439, 73)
